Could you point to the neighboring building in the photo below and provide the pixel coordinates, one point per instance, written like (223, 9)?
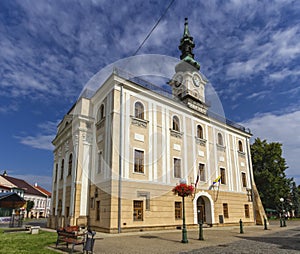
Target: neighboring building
(119, 153)
(38, 195)
(6, 186)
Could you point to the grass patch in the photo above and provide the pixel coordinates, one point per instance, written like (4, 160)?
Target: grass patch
(21, 242)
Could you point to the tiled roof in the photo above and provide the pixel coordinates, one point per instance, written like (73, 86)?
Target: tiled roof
(29, 189)
(43, 190)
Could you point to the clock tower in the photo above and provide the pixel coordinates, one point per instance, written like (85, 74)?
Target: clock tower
(188, 84)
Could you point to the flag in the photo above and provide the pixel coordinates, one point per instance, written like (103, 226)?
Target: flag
(217, 180)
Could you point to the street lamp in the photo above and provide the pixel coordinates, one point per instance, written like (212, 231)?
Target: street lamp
(282, 212)
(183, 190)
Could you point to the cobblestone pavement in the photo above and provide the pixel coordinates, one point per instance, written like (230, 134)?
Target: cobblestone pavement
(223, 240)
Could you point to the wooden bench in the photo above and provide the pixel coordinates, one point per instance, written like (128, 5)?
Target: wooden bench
(70, 235)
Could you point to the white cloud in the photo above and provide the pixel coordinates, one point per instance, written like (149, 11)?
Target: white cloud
(283, 129)
(39, 141)
(43, 138)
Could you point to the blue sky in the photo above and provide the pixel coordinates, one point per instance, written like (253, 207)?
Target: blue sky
(249, 51)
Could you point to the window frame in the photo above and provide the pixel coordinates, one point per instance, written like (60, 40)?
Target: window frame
(139, 163)
(223, 175)
(100, 162)
(62, 168)
(244, 180)
(220, 139)
(240, 146)
(175, 123)
(138, 210)
(247, 210)
(202, 175)
(176, 165)
(70, 164)
(225, 210)
(199, 131)
(139, 110)
(178, 210)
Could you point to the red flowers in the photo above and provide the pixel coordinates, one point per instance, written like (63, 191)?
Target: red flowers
(183, 190)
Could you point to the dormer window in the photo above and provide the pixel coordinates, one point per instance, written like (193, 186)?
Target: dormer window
(139, 110)
(175, 124)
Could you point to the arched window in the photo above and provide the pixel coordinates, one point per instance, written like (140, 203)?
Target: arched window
(240, 146)
(62, 169)
(220, 139)
(199, 132)
(101, 113)
(139, 110)
(70, 164)
(56, 170)
(176, 124)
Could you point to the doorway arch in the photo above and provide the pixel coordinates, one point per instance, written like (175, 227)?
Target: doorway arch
(204, 204)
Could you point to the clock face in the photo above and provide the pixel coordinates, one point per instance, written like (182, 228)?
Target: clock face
(178, 80)
(196, 80)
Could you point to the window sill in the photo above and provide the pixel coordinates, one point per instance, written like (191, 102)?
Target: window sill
(100, 123)
(139, 122)
(200, 141)
(176, 134)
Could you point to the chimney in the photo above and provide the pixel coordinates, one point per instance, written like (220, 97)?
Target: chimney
(4, 173)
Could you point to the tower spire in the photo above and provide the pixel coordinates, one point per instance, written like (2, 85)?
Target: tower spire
(186, 47)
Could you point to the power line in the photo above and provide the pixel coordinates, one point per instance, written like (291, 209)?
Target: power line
(161, 17)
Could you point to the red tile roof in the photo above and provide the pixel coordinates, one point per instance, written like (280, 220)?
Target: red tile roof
(28, 189)
(43, 190)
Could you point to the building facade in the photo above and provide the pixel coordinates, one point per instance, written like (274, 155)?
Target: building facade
(119, 153)
(40, 197)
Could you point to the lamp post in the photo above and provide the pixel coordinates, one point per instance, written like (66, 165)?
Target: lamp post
(183, 190)
(282, 213)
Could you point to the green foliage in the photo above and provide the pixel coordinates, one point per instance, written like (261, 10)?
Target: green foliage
(269, 173)
(27, 243)
(29, 205)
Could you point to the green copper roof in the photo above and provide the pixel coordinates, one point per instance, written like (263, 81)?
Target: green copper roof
(186, 47)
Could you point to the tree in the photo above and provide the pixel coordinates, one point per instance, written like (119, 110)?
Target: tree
(269, 173)
(29, 206)
(295, 198)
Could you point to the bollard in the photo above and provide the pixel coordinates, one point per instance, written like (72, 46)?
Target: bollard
(280, 222)
(265, 224)
(201, 231)
(241, 227)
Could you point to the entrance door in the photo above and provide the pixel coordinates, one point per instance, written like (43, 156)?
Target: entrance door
(201, 210)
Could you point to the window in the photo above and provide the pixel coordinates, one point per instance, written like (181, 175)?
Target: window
(67, 211)
(139, 110)
(240, 146)
(137, 210)
(199, 132)
(177, 168)
(92, 203)
(138, 161)
(100, 157)
(56, 170)
(62, 169)
(220, 139)
(70, 164)
(225, 210)
(201, 172)
(178, 210)
(244, 180)
(98, 210)
(101, 113)
(176, 124)
(247, 211)
(223, 175)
